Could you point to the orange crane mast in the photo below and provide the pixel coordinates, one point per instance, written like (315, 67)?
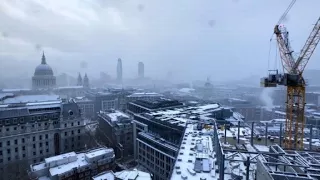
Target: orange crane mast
(293, 79)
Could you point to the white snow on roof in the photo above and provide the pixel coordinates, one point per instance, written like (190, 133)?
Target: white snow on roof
(66, 162)
(195, 159)
(14, 90)
(133, 174)
(70, 87)
(108, 175)
(69, 166)
(30, 99)
(2, 95)
(145, 94)
(115, 115)
(186, 90)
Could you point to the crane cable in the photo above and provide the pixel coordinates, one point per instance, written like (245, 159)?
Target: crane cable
(279, 21)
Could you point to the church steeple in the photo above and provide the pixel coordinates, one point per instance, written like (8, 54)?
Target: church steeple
(86, 81)
(79, 83)
(43, 59)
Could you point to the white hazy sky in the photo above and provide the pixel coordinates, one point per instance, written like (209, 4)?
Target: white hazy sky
(223, 39)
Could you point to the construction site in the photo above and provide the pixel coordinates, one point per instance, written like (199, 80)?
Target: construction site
(275, 150)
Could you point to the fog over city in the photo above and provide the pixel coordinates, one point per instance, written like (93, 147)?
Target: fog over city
(225, 40)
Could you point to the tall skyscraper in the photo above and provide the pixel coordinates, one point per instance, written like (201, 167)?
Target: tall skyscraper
(119, 70)
(141, 70)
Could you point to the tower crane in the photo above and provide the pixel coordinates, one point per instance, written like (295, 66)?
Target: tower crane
(292, 78)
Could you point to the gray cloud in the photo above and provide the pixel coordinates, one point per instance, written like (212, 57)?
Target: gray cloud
(194, 39)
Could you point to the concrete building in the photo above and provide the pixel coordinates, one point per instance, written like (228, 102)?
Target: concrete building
(195, 159)
(158, 134)
(103, 101)
(123, 175)
(34, 127)
(87, 107)
(147, 105)
(73, 165)
(141, 70)
(43, 76)
(116, 129)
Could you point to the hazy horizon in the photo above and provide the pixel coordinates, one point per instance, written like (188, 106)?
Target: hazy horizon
(225, 40)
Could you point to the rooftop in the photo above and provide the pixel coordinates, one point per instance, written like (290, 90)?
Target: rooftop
(123, 175)
(63, 163)
(196, 155)
(181, 116)
(145, 94)
(30, 99)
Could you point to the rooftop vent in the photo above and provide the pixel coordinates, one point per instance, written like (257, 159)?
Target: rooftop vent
(178, 171)
(179, 159)
(181, 153)
(184, 176)
(177, 167)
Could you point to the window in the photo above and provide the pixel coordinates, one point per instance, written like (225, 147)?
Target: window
(34, 153)
(45, 124)
(15, 120)
(21, 120)
(8, 143)
(0, 122)
(40, 144)
(72, 139)
(24, 155)
(15, 141)
(22, 127)
(15, 128)
(22, 140)
(47, 136)
(65, 125)
(23, 148)
(47, 150)
(78, 137)
(8, 151)
(34, 145)
(39, 124)
(40, 137)
(71, 124)
(65, 133)
(0, 153)
(72, 132)
(79, 131)
(0, 144)
(47, 143)
(78, 123)
(9, 158)
(7, 121)
(40, 151)
(16, 149)
(7, 129)
(34, 138)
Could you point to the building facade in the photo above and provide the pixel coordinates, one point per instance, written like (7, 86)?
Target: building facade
(43, 76)
(116, 129)
(34, 130)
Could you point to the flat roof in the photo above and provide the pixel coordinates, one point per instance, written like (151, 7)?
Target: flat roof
(182, 115)
(108, 175)
(115, 115)
(142, 94)
(30, 99)
(195, 158)
(133, 174)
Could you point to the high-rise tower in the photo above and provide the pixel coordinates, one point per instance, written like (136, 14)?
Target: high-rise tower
(140, 70)
(119, 70)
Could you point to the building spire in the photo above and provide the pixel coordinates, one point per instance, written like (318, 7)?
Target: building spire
(43, 59)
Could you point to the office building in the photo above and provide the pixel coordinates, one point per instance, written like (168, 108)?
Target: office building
(34, 127)
(141, 70)
(115, 127)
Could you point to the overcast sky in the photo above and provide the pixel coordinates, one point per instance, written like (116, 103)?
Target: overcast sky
(223, 39)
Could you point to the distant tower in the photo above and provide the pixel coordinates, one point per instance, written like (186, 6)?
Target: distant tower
(119, 70)
(79, 81)
(141, 70)
(86, 81)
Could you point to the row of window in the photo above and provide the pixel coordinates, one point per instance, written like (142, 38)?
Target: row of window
(72, 124)
(21, 120)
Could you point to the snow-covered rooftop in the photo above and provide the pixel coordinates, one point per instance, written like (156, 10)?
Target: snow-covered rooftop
(144, 94)
(123, 175)
(182, 115)
(30, 99)
(63, 163)
(196, 155)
